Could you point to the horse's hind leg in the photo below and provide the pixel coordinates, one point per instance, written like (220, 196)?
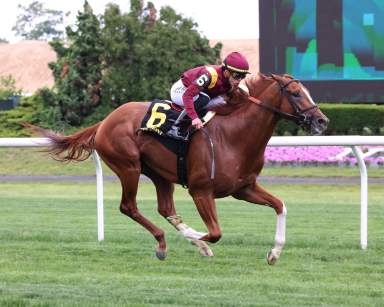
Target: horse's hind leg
(128, 207)
(254, 193)
(166, 208)
(129, 175)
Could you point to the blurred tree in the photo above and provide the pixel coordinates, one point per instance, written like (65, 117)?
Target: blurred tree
(3, 41)
(129, 56)
(144, 54)
(8, 87)
(77, 70)
(39, 23)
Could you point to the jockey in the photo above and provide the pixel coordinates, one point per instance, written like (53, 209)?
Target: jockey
(205, 86)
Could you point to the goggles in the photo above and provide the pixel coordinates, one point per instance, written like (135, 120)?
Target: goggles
(238, 75)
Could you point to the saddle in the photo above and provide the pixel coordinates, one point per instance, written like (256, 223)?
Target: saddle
(160, 117)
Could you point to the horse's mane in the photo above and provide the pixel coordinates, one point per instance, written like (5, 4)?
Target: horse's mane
(239, 97)
(259, 81)
(256, 81)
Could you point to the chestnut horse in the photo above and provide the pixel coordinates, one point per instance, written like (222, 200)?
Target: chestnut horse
(239, 139)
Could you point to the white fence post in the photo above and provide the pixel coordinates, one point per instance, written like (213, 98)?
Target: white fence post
(350, 140)
(100, 197)
(363, 197)
(44, 142)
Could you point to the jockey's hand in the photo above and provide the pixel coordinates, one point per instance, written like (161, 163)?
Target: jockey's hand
(197, 123)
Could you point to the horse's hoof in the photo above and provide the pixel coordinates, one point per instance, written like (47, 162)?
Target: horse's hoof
(271, 258)
(161, 254)
(203, 247)
(206, 251)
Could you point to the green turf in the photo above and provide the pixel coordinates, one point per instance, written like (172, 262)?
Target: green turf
(21, 161)
(50, 255)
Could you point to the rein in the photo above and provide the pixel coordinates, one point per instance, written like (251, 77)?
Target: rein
(273, 109)
(299, 115)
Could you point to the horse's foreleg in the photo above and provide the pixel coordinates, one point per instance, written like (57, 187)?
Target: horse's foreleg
(275, 252)
(166, 208)
(256, 194)
(206, 206)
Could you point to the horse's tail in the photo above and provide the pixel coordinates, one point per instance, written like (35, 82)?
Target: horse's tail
(75, 147)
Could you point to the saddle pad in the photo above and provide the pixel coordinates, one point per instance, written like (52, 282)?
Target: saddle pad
(159, 118)
(161, 115)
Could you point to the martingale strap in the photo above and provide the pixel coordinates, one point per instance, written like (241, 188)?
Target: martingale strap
(182, 164)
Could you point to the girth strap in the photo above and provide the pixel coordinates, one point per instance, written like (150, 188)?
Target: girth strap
(182, 149)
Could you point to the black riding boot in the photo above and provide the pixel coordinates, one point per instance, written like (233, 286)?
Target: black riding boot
(175, 132)
(200, 103)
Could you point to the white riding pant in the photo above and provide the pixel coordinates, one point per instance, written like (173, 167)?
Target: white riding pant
(178, 89)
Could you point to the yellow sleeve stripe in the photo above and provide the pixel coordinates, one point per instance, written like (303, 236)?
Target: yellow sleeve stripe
(214, 76)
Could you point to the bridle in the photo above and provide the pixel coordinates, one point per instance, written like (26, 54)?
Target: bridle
(299, 116)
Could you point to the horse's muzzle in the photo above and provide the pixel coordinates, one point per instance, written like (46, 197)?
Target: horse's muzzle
(318, 124)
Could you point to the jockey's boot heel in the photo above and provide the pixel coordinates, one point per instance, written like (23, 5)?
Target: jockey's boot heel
(175, 133)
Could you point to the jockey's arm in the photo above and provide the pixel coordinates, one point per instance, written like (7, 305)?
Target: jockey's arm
(192, 90)
(189, 106)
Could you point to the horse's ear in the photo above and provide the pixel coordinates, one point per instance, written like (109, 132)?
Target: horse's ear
(262, 76)
(288, 76)
(248, 83)
(276, 77)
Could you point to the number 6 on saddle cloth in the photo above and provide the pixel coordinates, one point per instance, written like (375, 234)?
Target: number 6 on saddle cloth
(162, 115)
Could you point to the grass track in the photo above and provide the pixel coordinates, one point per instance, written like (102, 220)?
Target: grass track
(50, 256)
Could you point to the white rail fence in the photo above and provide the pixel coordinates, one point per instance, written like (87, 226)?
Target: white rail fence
(352, 141)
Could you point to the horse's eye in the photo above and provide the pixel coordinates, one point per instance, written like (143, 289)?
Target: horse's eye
(296, 94)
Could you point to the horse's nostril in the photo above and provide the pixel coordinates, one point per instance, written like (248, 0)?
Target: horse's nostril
(321, 121)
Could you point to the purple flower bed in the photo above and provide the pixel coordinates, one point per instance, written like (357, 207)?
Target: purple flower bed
(318, 155)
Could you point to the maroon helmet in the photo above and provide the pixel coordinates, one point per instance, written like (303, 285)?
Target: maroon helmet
(236, 62)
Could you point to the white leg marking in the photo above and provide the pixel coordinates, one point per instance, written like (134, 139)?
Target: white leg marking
(189, 232)
(191, 235)
(275, 252)
(280, 228)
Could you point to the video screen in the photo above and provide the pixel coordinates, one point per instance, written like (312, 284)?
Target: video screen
(336, 47)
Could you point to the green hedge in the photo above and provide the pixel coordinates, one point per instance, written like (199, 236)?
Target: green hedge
(352, 119)
(28, 111)
(345, 119)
